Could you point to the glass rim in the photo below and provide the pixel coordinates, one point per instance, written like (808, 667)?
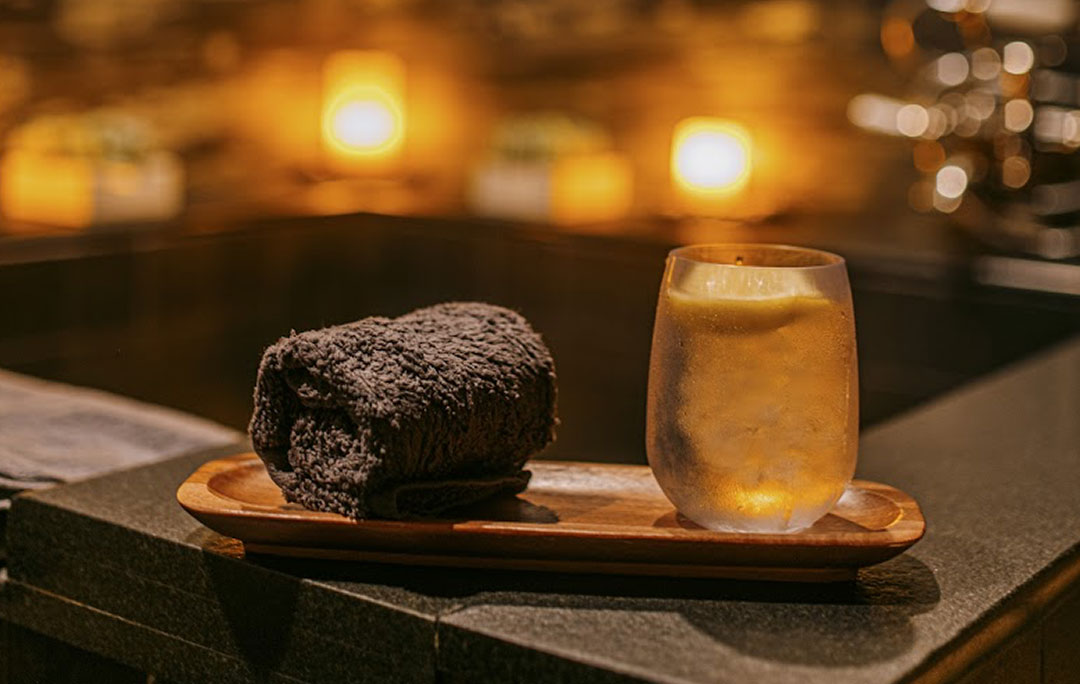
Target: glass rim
(829, 259)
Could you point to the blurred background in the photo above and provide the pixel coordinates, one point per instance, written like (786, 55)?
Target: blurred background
(183, 181)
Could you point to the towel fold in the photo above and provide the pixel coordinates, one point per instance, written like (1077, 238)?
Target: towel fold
(405, 417)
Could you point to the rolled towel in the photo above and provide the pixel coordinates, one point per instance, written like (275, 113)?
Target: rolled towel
(405, 417)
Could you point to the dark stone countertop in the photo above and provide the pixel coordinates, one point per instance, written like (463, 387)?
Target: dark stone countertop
(114, 566)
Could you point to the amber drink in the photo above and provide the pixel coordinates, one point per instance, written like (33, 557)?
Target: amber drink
(752, 421)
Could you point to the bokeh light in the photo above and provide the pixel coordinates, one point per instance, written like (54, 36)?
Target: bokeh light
(980, 104)
(873, 112)
(946, 5)
(1070, 129)
(1018, 57)
(710, 156)
(1018, 115)
(938, 122)
(363, 124)
(985, 64)
(897, 38)
(912, 120)
(363, 118)
(951, 181)
(952, 68)
(1015, 172)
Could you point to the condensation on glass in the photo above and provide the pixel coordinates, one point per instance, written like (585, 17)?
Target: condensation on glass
(752, 421)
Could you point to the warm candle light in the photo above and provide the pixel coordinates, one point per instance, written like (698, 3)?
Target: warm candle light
(94, 168)
(75, 192)
(582, 188)
(710, 157)
(363, 116)
(591, 188)
(47, 189)
(363, 125)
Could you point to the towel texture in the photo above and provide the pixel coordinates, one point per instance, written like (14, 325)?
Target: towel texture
(405, 417)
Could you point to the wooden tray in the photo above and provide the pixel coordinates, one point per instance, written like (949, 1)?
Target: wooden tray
(574, 517)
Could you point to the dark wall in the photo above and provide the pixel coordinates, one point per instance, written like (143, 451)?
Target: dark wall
(182, 322)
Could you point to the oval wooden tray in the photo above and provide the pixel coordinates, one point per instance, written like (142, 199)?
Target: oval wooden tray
(574, 517)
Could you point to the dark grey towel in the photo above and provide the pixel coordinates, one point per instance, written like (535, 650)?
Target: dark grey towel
(408, 416)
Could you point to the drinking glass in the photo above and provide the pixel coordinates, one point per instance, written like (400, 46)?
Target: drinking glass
(753, 412)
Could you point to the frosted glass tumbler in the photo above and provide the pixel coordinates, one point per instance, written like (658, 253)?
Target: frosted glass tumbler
(752, 421)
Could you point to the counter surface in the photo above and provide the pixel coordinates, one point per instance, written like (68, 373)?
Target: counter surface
(114, 566)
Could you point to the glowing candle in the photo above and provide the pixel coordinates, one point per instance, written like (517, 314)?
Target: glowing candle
(710, 161)
(363, 114)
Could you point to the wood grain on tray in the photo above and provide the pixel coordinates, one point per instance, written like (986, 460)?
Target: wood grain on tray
(574, 517)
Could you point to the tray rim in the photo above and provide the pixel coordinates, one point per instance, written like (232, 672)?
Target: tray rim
(206, 505)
